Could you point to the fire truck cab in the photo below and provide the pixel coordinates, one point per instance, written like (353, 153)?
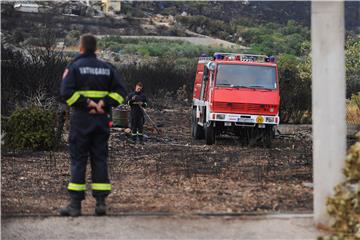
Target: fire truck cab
(236, 94)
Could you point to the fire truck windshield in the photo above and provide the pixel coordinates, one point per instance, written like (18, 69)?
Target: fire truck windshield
(247, 76)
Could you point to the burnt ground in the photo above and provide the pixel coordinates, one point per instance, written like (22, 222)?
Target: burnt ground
(171, 173)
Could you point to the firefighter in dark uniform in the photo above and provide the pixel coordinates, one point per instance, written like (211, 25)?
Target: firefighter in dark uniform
(137, 101)
(91, 87)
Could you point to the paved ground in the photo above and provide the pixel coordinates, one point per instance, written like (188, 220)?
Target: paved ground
(152, 227)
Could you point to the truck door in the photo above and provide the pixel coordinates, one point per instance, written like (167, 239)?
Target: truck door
(204, 83)
(198, 81)
(203, 94)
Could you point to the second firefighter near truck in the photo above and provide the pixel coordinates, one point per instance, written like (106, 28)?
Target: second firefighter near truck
(91, 87)
(137, 101)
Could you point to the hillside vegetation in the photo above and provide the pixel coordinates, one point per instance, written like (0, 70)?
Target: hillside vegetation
(165, 66)
(157, 47)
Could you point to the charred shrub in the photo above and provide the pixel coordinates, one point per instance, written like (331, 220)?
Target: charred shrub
(24, 71)
(31, 128)
(161, 76)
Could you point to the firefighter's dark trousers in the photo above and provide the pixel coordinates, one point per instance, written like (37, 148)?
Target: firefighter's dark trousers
(88, 138)
(137, 125)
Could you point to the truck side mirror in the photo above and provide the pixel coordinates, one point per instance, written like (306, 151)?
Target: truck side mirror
(211, 66)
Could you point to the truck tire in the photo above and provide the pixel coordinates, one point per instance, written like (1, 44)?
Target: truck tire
(197, 131)
(209, 134)
(268, 136)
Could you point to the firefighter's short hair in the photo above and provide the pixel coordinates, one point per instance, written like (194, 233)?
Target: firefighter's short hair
(88, 42)
(140, 84)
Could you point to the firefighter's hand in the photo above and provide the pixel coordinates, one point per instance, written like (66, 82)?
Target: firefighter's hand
(91, 104)
(95, 107)
(133, 98)
(100, 106)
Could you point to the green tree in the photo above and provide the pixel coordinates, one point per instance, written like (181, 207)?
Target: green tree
(352, 63)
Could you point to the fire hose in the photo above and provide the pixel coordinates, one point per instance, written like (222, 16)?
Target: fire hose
(147, 115)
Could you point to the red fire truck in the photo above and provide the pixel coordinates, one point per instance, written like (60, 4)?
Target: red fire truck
(236, 94)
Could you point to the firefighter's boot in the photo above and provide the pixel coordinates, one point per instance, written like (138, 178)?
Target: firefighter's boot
(141, 139)
(131, 141)
(100, 208)
(133, 138)
(72, 210)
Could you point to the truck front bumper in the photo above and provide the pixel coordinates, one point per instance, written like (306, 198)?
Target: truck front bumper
(244, 119)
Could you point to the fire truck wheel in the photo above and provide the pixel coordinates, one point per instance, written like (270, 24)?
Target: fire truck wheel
(209, 134)
(269, 135)
(197, 131)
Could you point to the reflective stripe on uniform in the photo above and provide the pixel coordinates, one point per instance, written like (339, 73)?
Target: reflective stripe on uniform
(101, 186)
(73, 98)
(94, 94)
(76, 187)
(117, 97)
(140, 134)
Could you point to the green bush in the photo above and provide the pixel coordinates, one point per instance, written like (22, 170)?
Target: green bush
(344, 205)
(31, 128)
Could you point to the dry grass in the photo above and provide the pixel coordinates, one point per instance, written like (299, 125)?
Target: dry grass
(352, 113)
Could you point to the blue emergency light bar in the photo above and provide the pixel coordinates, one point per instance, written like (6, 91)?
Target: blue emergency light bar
(218, 56)
(270, 59)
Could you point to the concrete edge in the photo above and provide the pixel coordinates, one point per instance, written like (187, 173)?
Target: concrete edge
(240, 215)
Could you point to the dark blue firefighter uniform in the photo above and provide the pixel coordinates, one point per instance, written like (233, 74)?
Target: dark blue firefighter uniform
(137, 101)
(87, 77)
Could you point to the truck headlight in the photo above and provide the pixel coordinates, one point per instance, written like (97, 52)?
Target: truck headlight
(220, 116)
